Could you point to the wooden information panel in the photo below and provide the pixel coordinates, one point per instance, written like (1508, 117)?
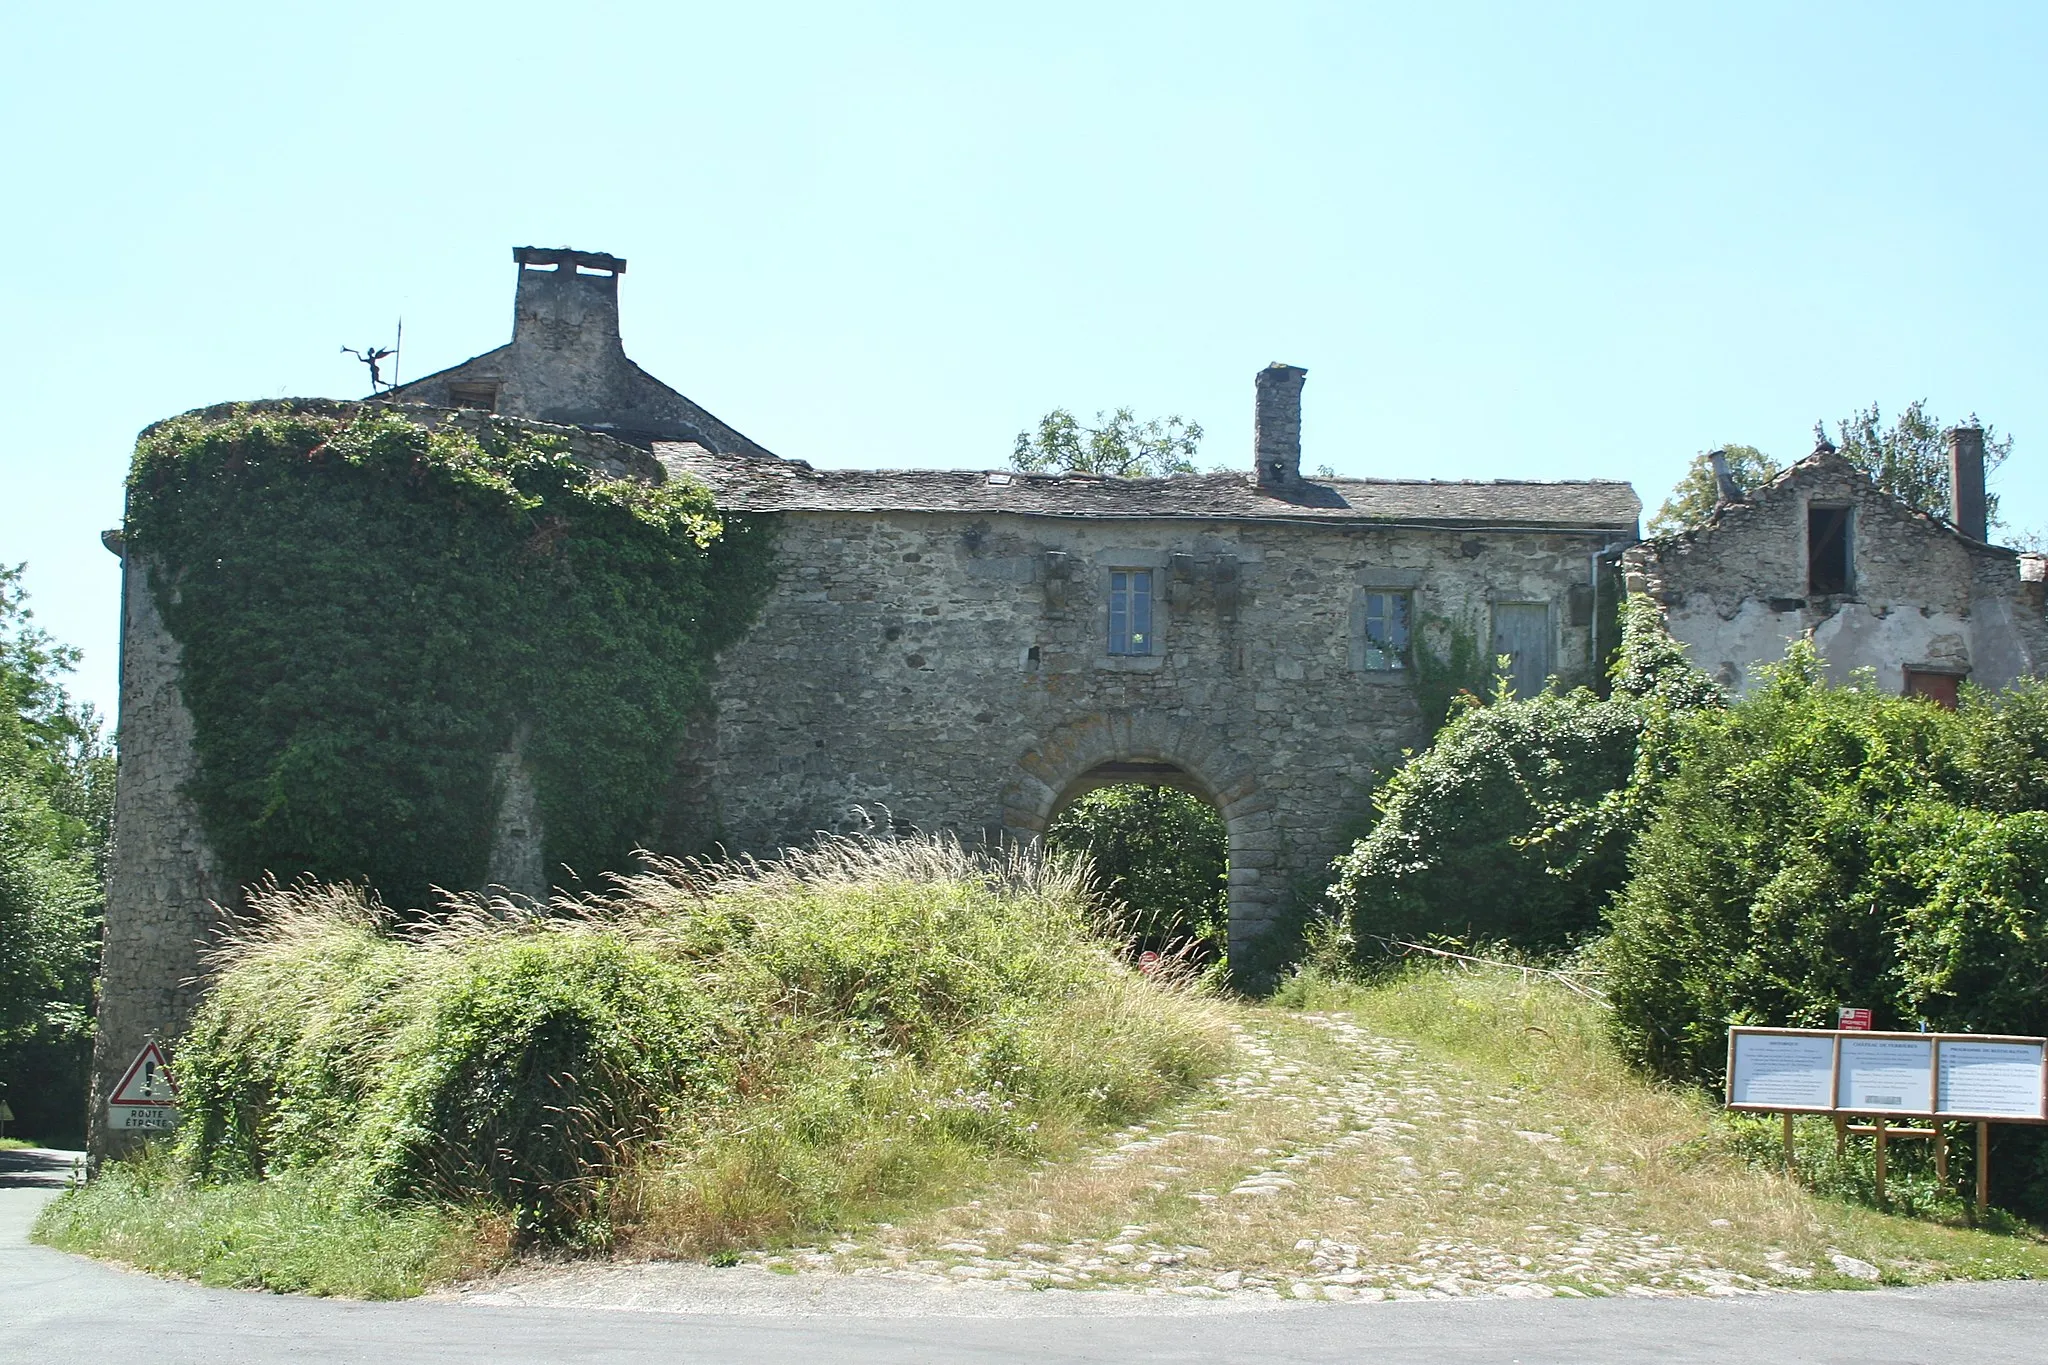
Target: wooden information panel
(1786, 1069)
(1992, 1078)
(1887, 1075)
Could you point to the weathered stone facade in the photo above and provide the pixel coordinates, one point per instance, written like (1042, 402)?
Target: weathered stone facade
(951, 671)
(1918, 597)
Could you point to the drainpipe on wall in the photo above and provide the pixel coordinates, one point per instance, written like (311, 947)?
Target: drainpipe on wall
(1610, 551)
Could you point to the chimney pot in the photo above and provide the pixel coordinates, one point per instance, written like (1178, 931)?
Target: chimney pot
(1276, 425)
(1966, 482)
(1726, 490)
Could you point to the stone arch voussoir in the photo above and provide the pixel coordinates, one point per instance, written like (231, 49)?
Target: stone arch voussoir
(1047, 775)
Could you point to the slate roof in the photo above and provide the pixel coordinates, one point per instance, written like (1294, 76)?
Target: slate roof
(774, 485)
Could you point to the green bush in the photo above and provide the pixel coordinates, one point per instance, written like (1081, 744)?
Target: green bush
(1162, 859)
(1489, 834)
(465, 1063)
(372, 613)
(1821, 846)
(813, 1032)
(1514, 825)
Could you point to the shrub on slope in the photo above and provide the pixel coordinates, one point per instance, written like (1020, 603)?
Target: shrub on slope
(1487, 834)
(713, 1050)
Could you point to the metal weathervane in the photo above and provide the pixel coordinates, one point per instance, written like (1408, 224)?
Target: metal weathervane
(375, 356)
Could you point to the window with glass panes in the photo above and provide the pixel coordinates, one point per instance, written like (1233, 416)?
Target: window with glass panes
(1130, 611)
(1386, 630)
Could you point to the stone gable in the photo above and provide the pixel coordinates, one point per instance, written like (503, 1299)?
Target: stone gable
(1918, 596)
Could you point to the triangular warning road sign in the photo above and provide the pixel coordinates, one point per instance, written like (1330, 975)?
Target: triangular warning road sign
(148, 1082)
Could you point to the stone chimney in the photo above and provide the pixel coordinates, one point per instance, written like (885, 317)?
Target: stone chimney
(1726, 490)
(1276, 426)
(560, 307)
(1966, 481)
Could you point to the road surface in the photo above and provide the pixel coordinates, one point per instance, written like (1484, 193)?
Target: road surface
(64, 1310)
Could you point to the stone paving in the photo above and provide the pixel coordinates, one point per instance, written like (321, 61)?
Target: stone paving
(1392, 1115)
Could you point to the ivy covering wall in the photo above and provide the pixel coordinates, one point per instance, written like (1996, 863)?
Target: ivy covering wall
(370, 611)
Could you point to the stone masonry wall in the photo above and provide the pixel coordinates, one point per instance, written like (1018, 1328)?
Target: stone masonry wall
(951, 672)
(163, 880)
(1735, 592)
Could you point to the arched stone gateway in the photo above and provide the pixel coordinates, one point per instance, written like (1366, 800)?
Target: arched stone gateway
(1102, 750)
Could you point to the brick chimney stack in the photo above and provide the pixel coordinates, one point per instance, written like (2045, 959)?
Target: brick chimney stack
(1276, 426)
(1966, 481)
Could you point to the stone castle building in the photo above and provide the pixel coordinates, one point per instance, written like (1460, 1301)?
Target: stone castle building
(970, 651)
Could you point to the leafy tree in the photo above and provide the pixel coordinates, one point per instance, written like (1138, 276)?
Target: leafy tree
(1489, 833)
(1693, 500)
(1909, 458)
(56, 803)
(1119, 445)
(1162, 858)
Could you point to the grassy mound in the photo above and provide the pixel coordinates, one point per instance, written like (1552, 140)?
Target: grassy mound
(704, 1056)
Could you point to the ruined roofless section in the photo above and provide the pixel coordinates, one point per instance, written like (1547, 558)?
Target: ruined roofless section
(566, 363)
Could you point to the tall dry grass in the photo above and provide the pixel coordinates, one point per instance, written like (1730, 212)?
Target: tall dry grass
(702, 1055)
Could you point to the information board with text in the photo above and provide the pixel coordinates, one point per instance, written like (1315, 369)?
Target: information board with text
(1852, 1071)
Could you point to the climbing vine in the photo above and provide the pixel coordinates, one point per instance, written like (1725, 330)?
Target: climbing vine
(1450, 667)
(370, 611)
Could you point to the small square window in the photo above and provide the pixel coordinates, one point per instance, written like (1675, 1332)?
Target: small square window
(1385, 619)
(1130, 611)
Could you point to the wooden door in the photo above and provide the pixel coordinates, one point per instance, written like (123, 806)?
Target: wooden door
(1521, 630)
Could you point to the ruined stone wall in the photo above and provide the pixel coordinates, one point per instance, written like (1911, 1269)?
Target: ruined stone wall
(1736, 591)
(163, 878)
(951, 672)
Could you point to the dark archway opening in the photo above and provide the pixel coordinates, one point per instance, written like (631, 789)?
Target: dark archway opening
(1161, 856)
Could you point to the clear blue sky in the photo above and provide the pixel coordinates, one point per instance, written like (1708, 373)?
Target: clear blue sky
(1506, 240)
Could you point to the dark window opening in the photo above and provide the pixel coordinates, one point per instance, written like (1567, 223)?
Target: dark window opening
(480, 396)
(1827, 550)
(1939, 688)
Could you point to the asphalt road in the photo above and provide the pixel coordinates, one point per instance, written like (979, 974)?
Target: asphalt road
(63, 1310)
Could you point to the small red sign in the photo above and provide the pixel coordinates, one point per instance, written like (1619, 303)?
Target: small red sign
(1148, 962)
(1850, 1018)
